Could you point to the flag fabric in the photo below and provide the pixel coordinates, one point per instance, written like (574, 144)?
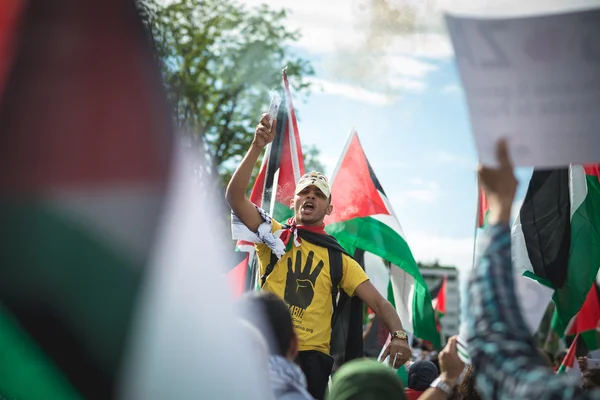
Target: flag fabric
(238, 275)
(556, 237)
(483, 208)
(282, 166)
(186, 316)
(569, 364)
(363, 218)
(86, 149)
(585, 322)
(438, 294)
(532, 296)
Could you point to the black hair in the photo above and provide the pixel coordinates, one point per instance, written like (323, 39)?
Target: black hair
(270, 315)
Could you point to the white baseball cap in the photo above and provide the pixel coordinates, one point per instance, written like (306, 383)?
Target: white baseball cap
(314, 179)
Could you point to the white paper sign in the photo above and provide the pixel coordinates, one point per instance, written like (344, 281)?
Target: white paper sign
(535, 81)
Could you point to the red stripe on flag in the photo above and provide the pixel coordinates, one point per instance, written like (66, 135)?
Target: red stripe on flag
(592, 169)
(588, 316)
(353, 192)
(89, 117)
(440, 305)
(569, 360)
(483, 207)
(10, 11)
(237, 277)
(286, 182)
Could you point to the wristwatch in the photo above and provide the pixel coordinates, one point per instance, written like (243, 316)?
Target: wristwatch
(399, 335)
(443, 386)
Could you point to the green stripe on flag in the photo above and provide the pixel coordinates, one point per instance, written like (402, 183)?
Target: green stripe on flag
(584, 258)
(90, 284)
(26, 371)
(378, 238)
(282, 213)
(591, 339)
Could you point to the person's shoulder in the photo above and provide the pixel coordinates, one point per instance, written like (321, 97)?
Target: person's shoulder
(350, 262)
(276, 224)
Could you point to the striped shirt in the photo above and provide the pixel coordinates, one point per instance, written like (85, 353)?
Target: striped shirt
(502, 350)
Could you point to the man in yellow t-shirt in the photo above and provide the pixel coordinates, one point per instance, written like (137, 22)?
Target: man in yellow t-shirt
(304, 283)
(294, 263)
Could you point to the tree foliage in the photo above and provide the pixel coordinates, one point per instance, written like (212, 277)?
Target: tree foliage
(220, 61)
(312, 161)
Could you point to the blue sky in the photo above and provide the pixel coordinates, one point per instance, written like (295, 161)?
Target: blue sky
(391, 75)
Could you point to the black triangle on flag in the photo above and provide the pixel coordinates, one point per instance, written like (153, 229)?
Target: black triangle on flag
(435, 290)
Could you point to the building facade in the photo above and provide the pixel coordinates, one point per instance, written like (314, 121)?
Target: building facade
(433, 274)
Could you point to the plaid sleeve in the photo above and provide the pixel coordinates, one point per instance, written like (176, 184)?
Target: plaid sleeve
(502, 349)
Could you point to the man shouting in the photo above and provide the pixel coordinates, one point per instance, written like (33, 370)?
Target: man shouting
(304, 266)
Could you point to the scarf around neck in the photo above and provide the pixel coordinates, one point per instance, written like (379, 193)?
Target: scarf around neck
(285, 376)
(290, 230)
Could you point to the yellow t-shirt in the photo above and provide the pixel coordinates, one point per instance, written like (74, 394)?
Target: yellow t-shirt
(302, 279)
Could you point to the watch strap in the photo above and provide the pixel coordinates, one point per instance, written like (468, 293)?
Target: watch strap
(400, 335)
(443, 386)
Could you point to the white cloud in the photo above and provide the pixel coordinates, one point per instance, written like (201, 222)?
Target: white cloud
(412, 85)
(429, 247)
(353, 92)
(329, 162)
(377, 165)
(409, 66)
(445, 157)
(419, 190)
(423, 44)
(424, 195)
(451, 89)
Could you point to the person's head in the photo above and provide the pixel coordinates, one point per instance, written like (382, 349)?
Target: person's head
(466, 389)
(546, 357)
(312, 199)
(421, 374)
(590, 379)
(269, 314)
(365, 379)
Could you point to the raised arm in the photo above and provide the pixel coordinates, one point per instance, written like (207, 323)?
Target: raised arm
(238, 185)
(506, 361)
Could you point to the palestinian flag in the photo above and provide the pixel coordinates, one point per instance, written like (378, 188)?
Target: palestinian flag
(483, 208)
(239, 274)
(85, 159)
(283, 164)
(281, 167)
(585, 322)
(569, 364)
(438, 294)
(556, 237)
(367, 222)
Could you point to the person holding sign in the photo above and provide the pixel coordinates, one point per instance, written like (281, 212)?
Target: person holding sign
(508, 364)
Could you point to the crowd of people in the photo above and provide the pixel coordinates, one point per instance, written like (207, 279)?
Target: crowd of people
(293, 311)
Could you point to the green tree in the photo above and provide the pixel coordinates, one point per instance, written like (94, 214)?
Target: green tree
(220, 61)
(312, 161)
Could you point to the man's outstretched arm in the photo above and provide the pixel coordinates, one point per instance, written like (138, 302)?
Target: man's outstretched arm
(236, 190)
(384, 310)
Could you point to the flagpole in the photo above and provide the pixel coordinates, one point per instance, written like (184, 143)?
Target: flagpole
(463, 351)
(275, 155)
(477, 209)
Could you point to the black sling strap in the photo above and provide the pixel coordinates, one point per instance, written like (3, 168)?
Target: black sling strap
(335, 266)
